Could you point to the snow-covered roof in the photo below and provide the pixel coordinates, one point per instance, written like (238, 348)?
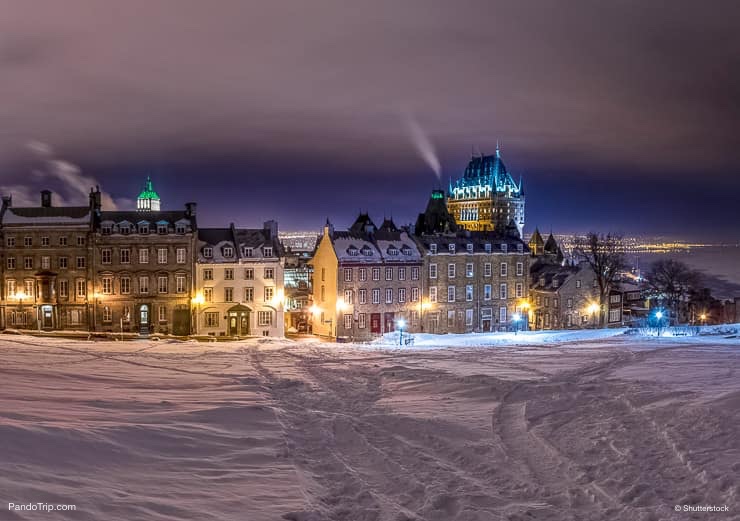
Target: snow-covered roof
(73, 215)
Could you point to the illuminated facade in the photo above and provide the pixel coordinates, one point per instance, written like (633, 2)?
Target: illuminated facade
(148, 200)
(486, 198)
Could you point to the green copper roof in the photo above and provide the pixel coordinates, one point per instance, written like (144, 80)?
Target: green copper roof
(148, 192)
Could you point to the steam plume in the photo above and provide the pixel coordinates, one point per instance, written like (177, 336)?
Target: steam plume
(423, 145)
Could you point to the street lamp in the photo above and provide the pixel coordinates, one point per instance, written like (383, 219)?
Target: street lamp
(525, 306)
(516, 317)
(20, 295)
(197, 301)
(400, 323)
(703, 318)
(593, 308)
(659, 314)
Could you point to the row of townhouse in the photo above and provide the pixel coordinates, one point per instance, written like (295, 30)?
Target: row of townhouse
(140, 271)
(565, 295)
(369, 281)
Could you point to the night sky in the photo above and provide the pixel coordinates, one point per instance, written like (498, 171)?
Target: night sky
(620, 116)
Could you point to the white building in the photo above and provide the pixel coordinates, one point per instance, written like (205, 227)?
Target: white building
(239, 282)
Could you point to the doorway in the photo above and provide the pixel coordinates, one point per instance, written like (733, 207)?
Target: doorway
(389, 322)
(144, 318)
(47, 317)
(375, 323)
(238, 320)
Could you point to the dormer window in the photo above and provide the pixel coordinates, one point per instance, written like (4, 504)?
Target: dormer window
(106, 229)
(125, 229)
(520, 248)
(352, 251)
(555, 282)
(144, 228)
(267, 252)
(228, 251)
(433, 248)
(542, 280)
(405, 249)
(180, 229)
(162, 229)
(504, 247)
(469, 247)
(452, 248)
(208, 253)
(247, 252)
(488, 247)
(392, 250)
(366, 251)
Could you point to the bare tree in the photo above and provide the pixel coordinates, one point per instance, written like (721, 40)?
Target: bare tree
(605, 255)
(671, 282)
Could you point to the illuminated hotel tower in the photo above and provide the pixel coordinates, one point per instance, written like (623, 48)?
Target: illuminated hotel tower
(148, 200)
(486, 197)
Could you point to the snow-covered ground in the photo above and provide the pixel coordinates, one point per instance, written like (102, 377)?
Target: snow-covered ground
(602, 426)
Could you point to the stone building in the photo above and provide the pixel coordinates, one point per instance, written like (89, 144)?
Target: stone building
(367, 281)
(487, 198)
(239, 282)
(45, 265)
(143, 261)
(474, 281)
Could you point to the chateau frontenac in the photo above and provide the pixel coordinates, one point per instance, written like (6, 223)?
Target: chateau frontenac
(487, 198)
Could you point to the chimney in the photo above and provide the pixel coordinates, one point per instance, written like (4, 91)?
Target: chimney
(271, 227)
(95, 200)
(190, 209)
(46, 198)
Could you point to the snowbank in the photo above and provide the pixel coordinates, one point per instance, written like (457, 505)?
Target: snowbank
(523, 338)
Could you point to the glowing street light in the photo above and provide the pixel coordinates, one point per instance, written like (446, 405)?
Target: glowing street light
(659, 315)
(400, 323)
(516, 317)
(593, 308)
(197, 301)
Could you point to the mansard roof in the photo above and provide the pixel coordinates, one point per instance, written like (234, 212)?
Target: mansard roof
(478, 239)
(485, 171)
(46, 215)
(170, 216)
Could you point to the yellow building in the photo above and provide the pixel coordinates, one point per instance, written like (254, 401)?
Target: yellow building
(367, 281)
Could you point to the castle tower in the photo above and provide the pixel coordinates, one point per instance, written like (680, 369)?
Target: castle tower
(148, 200)
(486, 197)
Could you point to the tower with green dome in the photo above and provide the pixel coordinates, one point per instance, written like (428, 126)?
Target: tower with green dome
(148, 200)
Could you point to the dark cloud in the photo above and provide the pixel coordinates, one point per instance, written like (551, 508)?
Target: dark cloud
(295, 100)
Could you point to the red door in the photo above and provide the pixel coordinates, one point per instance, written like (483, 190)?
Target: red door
(390, 324)
(375, 323)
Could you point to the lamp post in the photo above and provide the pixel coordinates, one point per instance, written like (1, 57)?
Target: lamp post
(525, 306)
(401, 323)
(593, 308)
(196, 301)
(20, 295)
(659, 317)
(516, 317)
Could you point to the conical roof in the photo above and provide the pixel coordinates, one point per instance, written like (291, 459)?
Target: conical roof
(148, 191)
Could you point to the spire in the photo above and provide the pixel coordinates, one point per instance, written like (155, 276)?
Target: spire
(148, 200)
